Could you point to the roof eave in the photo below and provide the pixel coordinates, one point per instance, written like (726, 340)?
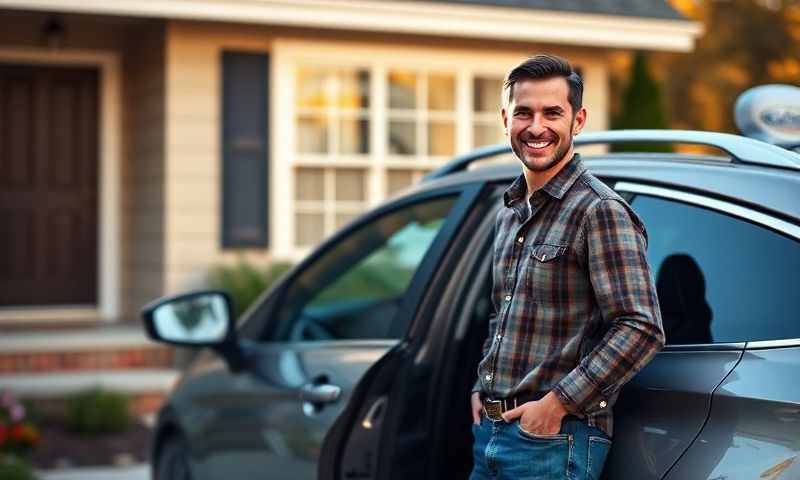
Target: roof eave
(437, 19)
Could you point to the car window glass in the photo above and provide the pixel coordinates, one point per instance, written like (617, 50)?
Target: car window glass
(355, 289)
(719, 279)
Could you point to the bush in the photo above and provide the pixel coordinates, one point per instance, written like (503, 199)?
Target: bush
(245, 282)
(98, 411)
(14, 468)
(642, 107)
(18, 435)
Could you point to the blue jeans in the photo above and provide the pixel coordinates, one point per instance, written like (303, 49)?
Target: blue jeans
(504, 451)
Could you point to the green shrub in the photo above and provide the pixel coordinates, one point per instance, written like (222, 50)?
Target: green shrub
(98, 411)
(245, 282)
(642, 107)
(14, 468)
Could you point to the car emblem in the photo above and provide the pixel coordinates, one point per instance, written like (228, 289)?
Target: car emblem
(770, 113)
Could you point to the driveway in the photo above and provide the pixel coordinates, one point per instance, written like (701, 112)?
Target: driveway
(134, 472)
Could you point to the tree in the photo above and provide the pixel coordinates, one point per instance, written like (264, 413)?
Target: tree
(745, 43)
(642, 107)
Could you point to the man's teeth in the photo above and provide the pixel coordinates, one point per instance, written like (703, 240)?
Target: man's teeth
(537, 144)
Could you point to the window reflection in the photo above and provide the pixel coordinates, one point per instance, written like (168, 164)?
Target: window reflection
(354, 89)
(354, 136)
(442, 92)
(402, 137)
(312, 133)
(312, 91)
(749, 274)
(441, 138)
(355, 289)
(402, 89)
(486, 94)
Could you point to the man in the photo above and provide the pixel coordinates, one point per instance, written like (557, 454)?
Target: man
(576, 313)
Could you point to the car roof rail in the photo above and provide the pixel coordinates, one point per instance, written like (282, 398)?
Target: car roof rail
(742, 150)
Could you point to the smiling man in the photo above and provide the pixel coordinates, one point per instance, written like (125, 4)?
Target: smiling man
(575, 307)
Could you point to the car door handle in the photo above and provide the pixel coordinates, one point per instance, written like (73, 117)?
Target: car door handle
(320, 393)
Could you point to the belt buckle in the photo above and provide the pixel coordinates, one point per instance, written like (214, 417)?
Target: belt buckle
(493, 409)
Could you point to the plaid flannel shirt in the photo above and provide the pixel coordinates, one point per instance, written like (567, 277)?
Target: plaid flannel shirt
(575, 306)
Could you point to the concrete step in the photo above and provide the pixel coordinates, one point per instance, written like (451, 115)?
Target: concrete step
(146, 388)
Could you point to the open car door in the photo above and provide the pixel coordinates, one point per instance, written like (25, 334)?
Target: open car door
(385, 430)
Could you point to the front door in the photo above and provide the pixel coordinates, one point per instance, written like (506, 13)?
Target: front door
(48, 185)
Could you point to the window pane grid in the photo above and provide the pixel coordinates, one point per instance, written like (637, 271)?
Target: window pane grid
(430, 130)
(335, 110)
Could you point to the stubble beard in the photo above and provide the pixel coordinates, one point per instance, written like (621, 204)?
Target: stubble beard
(551, 162)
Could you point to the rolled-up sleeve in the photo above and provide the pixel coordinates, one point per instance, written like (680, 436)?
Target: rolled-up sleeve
(614, 245)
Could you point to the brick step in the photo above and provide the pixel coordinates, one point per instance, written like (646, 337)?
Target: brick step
(33, 362)
(81, 350)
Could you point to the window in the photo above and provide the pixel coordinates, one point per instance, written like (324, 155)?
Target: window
(719, 279)
(332, 124)
(421, 114)
(487, 128)
(365, 130)
(354, 290)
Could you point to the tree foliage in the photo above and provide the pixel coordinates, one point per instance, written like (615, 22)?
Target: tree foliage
(642, 106)
(745, 43)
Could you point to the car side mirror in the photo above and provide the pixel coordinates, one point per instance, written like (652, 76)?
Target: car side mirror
(196, 319)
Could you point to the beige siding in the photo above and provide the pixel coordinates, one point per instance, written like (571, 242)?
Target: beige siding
(192, 198)
(143, 171)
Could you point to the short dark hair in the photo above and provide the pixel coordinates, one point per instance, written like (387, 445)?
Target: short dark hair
(540, 67)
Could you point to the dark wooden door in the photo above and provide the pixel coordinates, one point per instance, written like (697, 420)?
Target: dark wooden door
(48, 185)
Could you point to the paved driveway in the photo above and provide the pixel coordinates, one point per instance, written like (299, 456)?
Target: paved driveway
(134, 472)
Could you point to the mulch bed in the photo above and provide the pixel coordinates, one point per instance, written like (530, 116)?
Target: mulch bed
(61, 448)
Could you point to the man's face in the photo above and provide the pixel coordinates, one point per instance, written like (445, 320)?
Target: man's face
(540, 123)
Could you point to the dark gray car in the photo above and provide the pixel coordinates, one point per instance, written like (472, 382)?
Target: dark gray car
(359, 362)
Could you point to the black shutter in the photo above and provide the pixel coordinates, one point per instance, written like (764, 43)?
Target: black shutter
(245, 151)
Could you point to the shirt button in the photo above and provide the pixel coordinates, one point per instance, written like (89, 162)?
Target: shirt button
(603, 404)
(508, 298)
(520, 239)
(488, 377)
(499, 336)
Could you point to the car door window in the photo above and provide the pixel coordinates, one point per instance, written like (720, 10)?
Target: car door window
(719, 279)
(355, 289)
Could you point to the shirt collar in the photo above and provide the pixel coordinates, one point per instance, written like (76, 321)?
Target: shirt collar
(556, 187)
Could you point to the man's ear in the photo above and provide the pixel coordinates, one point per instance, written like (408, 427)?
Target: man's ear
(504, 114)
(579, 122)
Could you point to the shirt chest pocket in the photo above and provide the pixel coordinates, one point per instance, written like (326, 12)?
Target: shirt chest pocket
(546, 272)
(544, 252)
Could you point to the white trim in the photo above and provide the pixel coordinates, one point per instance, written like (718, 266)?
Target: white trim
(421, 18)
(48, 385)
(784, 343)
(49, 314)
(76, 340)
(724, 207)
(110, 156)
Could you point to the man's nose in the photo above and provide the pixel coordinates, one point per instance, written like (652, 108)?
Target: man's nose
(536, 127)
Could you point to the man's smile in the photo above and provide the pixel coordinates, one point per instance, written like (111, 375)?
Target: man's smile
(538, 144)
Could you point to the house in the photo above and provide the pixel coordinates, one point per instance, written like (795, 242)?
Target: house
(142, 141)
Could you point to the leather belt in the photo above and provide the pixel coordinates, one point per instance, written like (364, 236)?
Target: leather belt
(495, 408)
